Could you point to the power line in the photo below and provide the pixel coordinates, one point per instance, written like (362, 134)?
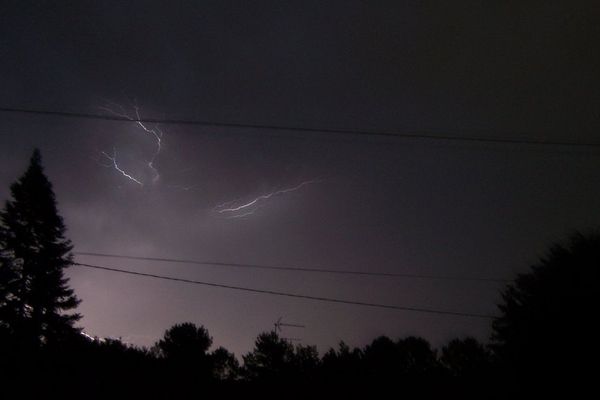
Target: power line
(339, 131)
(294, 269)
(293, 295)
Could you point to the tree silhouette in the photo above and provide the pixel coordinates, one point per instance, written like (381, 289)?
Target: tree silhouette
(305, 361)
(184, 347)
(381, 359)
(185, 341)
(343, 364)
(386, 360)
(270, 359)
(225, 367)
(465, 358)
(416, 357)
(9, 304)
(35, 252)
(546, 331)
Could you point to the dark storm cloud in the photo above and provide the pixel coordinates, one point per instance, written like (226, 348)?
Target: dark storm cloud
(494, 68)
(460, 65)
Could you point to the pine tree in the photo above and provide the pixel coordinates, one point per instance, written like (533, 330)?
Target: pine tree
(546, 333)
(9, 282)
(34, 293)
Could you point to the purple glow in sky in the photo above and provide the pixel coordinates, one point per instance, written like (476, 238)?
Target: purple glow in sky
(315, 200)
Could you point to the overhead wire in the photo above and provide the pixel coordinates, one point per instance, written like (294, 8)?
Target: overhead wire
(336, 271)
(288, 294)
(306, 129)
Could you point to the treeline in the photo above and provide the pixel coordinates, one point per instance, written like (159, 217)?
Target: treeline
(543, 339)
(184, 362)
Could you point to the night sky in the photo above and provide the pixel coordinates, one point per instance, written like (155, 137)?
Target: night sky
(494, 69)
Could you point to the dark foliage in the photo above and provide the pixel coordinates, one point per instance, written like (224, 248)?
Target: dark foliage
(545, 334)
(184, 352)
(542, 340)
(184, 341)
(225, 367)
(34, 253)
(342, 366)
(271, 359)
(466, 358)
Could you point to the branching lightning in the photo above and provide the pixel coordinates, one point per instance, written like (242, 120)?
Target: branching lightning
(155, 132)
(267, 196)
(113, 159)
(219, 207)
(250, 207)
(234, 209)
(158, 135)
(243, 215)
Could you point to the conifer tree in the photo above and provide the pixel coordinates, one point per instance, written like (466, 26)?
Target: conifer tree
(34, 294)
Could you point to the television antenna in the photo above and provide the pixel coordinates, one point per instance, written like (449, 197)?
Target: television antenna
(278, 325)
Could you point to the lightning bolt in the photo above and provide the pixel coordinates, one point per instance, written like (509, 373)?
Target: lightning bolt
(258, 200)
(121, 112)
(113, 159)
(225, 204)
(241, 215)
(158, 135)
(245, 214)
(155, 132)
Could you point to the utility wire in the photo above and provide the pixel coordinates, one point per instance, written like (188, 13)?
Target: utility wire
(293, 268)
(340, 131)
(286, 294)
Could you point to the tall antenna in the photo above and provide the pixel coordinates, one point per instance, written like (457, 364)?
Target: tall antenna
(278, 325)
